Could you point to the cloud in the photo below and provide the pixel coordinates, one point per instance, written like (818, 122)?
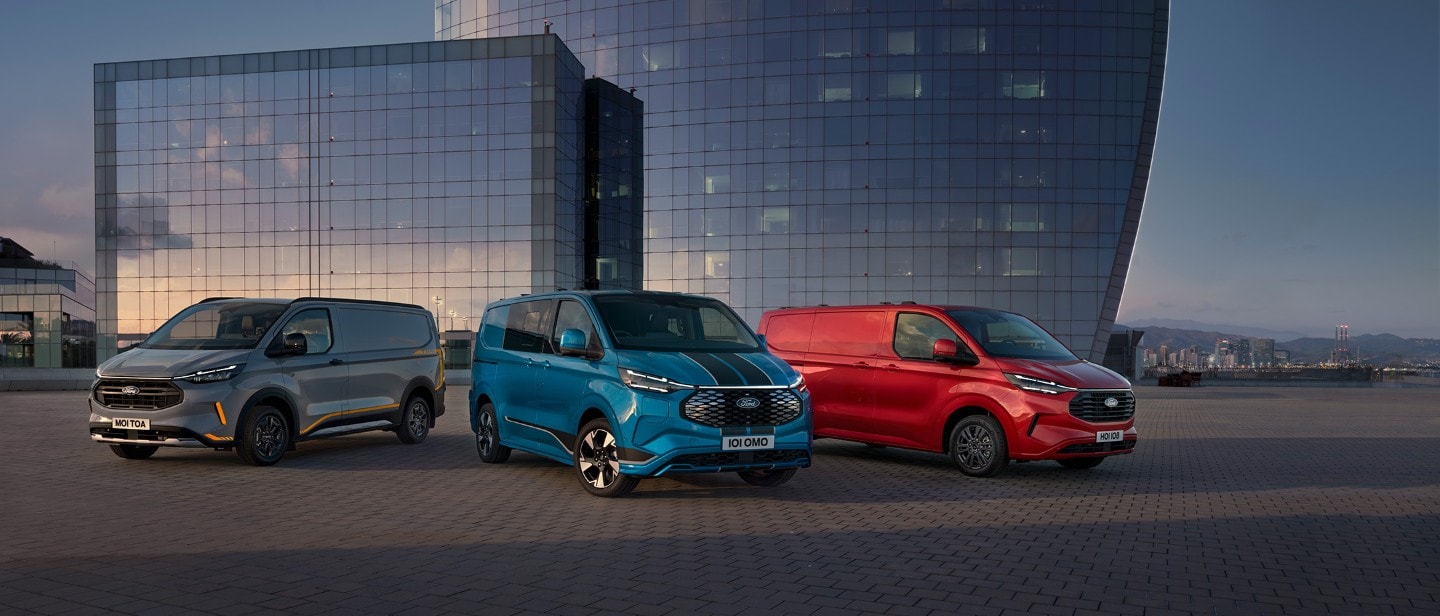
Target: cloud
(68, 201)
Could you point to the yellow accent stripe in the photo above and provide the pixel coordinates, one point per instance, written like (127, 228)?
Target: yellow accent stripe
(219, 438)
(383, 407)
(219, 410)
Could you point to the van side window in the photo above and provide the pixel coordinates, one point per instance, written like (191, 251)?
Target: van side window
(915, 335)
(525, 326)
(384, 330)
(492, 329)
(315, 324)
(572, 315)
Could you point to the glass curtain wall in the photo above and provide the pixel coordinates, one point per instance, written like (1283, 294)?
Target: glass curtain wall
(47, 318)
(443, 174)
(986, 152)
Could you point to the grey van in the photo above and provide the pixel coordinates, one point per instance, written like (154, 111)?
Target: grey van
(259, 375)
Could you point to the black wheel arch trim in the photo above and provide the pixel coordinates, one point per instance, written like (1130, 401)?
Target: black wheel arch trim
(289, 412)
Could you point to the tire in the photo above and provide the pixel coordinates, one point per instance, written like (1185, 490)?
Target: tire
(414, 421)
(766, 479)
(134, 452)
(597, 464)
(1081, 463)
(264, 436)
(977, 445)
(487, 436)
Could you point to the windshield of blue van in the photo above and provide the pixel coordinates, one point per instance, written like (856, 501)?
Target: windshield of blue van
(1006, 334)
(673, 323)
(229, 325)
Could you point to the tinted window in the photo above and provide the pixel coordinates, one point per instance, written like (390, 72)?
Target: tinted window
(315, 325)
(384, 330)
(1005, 334)
(525, 326)
(492, 330)
(573, 316)
(915, 335)
(228, 325)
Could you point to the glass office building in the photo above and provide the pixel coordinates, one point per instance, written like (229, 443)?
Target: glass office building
(991, 152)
(445, 174)
(47, 312)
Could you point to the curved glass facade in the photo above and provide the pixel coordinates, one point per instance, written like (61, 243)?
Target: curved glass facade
(986, 152)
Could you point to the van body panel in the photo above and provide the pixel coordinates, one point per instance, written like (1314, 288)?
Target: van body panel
(665, 366)
(337, 382)
(875, 386)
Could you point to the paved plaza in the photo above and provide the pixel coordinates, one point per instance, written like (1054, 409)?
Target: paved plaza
(1237, 501)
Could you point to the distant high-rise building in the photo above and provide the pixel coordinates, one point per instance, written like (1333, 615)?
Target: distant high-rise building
(1264, 352)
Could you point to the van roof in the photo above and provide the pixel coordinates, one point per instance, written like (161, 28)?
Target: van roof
(880, 306)
(287, 301)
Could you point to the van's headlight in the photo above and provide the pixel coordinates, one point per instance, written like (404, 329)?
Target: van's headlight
(212, 375)
(1030, 383)
(650, 382)
(799, 384)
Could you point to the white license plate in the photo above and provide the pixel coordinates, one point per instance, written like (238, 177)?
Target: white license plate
(1110, 436)
(749, 441)
(128, 423)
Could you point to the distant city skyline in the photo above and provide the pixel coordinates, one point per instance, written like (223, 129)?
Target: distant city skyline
(1295, 187)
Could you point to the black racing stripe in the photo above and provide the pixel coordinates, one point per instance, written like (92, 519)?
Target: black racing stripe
(719, 370)
(751, 373)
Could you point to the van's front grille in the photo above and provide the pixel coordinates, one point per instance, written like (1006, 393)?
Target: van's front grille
(1099, 447)
(732, 408)
(131, 394)
(731, 458)
(1092, 406)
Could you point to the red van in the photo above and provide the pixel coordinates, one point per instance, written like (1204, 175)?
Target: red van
(985, 386)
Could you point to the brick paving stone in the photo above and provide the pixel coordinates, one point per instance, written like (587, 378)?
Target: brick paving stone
(1237, 501)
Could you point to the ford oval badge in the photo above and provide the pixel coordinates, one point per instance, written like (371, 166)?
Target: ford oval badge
(747, 403)
(130, 390)
(1111, 403)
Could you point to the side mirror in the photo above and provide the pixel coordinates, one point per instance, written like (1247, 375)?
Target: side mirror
(949, 352)
(294, 344)
(574, 344)
(761, 339)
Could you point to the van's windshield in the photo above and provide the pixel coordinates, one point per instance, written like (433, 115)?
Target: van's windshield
(1006, 334)
(227, 325)
(673, 323)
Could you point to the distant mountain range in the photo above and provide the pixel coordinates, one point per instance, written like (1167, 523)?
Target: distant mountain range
(1374, 349)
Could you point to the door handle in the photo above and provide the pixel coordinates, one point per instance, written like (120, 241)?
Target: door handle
(860, 364)
(337, 361)
(891, 367)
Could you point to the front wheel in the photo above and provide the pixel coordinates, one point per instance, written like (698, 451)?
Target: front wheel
(414, 422)
(767, 479)
(487, 436)
(977, 444)
(134, 452)
(597, 460)
(264, 437)
(1081, 463)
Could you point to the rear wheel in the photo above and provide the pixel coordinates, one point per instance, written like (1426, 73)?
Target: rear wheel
(415, 421)
(767, 478)
(263, 437)
(977, 444)
(1081, 463)
(487, 436)
(134, 452)
(597, 460)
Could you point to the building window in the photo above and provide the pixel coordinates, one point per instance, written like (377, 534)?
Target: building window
(963, 40)
(1024, 84)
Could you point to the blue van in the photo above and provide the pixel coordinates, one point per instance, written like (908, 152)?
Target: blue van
(631, 384)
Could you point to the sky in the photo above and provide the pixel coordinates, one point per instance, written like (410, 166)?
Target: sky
(1295, 184)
